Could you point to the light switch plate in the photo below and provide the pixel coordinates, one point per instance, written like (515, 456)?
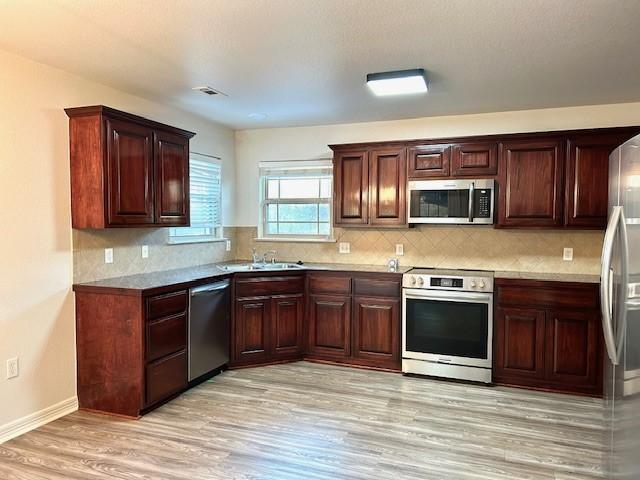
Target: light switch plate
(145, 251)
(108, 255)
(399, 249)
(344, 247)
(567, 255)
(228, 245)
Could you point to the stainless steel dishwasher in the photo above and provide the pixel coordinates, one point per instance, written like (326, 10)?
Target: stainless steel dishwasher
(209, 324)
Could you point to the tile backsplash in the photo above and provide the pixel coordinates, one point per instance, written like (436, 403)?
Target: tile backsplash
(89, 245)
(468, 247)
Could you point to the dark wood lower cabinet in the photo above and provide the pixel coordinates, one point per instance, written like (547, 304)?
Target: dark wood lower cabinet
(251, 343)
(330, 325)
(287, 315)
(547, 336)
(376, 329)
(166, 377)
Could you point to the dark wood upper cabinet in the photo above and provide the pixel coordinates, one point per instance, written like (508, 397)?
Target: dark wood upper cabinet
(429, 161)
(126, 170)
(474, 159)
(351, 187)
(531, 183)
(587, 171)
(129, 173)
(388, 187)
(171, 178)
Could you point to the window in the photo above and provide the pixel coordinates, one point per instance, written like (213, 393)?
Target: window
(206, 199)
(296, 200)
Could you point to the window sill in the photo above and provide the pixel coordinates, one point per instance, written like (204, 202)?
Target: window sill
(195, 240)
(294, 240)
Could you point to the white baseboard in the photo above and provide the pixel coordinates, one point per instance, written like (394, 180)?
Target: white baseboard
(37, 419)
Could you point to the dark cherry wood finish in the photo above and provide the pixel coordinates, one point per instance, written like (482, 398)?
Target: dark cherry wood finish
(547, 336)
(329, 326)
(287, 329)
(165, 336)
(429, 161)
(587, 172)
(351, 187)
(531, 181)
(475, 159)
(251, 327)
(166, 377)
(126, 170)
(388, 187)
(171, 153)
(376, 330)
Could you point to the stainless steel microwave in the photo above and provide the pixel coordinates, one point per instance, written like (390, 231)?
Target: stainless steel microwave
(451, 201)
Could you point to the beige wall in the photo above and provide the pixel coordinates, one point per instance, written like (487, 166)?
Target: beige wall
(36, 303)
(305, 143)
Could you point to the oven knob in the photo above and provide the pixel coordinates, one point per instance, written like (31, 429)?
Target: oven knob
(482, 284)
(473, 284)
(420, 281)
(412, 281)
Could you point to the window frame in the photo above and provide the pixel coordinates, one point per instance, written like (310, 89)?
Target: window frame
(294, 169)
(213, 233)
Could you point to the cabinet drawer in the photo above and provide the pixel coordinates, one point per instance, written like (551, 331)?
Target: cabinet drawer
(166, 336)
(376, 288)
(329, 284)
(165, 305)
(549, 297)
(260, 286)
(166, 377)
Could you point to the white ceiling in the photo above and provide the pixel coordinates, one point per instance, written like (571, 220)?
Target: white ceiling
(304, 62)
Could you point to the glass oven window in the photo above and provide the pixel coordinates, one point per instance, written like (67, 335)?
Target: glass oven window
(439, 203)
(447, 328)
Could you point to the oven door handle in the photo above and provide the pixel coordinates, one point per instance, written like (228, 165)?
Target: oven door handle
(444, 295)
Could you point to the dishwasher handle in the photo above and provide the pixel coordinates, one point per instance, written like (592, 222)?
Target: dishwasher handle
(210, 288)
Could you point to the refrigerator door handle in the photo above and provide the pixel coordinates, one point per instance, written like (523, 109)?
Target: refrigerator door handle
(613, 342)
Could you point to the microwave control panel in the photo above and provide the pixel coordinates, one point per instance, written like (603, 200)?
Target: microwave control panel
(482, 203)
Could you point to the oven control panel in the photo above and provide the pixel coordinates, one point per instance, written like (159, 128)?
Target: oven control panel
(423, 279)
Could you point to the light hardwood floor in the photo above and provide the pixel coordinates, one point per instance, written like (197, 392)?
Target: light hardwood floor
(311, 421)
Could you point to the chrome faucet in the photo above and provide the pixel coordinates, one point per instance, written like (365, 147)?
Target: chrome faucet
(254, 255)
(273, 254)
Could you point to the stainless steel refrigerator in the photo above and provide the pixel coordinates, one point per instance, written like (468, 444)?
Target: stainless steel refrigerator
(620, 301)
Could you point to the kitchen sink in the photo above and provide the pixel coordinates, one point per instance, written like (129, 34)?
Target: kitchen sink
(249, 267)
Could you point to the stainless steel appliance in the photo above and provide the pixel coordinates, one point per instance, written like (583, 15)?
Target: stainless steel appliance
(620, 302)
(209, 328)
(451, 201)
(447, 325)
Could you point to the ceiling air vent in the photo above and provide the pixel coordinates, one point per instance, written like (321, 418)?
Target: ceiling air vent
(208, 90)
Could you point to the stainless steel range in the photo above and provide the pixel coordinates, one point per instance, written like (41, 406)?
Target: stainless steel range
(447, 324)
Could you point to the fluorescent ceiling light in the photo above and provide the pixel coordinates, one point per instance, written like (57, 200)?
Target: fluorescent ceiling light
(398, 83)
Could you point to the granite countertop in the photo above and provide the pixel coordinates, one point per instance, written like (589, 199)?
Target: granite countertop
(211, 272)
(551, 277)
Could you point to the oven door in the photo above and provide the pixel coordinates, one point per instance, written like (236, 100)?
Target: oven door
(451, 201)
(447, 327)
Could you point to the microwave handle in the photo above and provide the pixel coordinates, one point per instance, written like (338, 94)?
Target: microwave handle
(472, 188)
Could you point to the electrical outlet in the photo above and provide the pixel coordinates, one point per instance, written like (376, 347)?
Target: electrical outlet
(12, 367)
(108, 255)
(399, 249)
(344, 247)
(145, 251)
(567, 255)
(228, 245)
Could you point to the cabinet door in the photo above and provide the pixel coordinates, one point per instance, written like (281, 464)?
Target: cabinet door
(429, 161)
(251, 330)
(587, 179)
(376, 330)
(388, 183)
(531, 183)
(572, 347)
(171, 178)
(287, 312)
(475, 159)
(129, 174)
(351, 188)
(519, 345)
(329, 325)
(165, 377)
